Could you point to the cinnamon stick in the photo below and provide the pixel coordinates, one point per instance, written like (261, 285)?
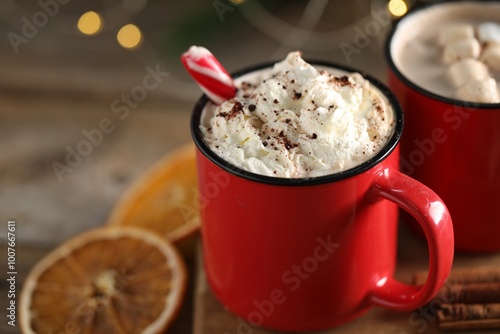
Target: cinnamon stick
(460, 312)
(468, 325)
(465, 276)
(469, 300)
(473, 293)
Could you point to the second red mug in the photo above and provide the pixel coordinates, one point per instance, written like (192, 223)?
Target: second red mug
(452, 146)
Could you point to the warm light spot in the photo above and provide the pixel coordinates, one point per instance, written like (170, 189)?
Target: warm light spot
(90, 23)
(129, 36)
(397, 7)
(237, 2)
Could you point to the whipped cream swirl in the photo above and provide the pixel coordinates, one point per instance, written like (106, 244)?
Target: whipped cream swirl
(296, 121)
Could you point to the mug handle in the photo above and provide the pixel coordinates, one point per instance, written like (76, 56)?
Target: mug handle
(433, 216)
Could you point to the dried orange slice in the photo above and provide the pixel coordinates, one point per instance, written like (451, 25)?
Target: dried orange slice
(118, 280)
(165, 199)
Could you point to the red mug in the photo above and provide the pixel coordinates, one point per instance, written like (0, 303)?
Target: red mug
(451, 146)
(308, 254)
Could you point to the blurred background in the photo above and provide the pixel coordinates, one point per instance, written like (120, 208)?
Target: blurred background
(92, 93)
(68, 65)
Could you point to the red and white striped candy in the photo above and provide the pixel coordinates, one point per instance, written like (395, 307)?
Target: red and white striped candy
(209, 74)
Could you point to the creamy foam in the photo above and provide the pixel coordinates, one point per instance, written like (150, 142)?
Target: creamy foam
(297, 121)
(415, 46)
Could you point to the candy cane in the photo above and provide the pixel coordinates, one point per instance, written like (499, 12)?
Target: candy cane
(209, 74)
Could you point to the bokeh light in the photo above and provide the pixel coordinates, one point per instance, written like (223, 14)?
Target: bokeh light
(129, 36)
(90, 23)
(397, 7)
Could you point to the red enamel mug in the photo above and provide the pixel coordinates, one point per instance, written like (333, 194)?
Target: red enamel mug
(451, 146)
(312, 253)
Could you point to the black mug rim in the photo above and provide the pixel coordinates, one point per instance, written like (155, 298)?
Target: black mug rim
(414, 86)
(271, 180)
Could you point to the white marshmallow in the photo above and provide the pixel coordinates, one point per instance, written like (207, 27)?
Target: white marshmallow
(491, 56)
(455, 31)
(460, 49)
(479, 91)
(488, 32)
(466, 70)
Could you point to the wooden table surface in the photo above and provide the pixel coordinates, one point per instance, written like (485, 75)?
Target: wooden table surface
(61, 84)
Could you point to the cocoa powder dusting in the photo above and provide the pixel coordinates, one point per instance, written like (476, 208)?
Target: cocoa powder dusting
(342, 81)
(235, 110)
